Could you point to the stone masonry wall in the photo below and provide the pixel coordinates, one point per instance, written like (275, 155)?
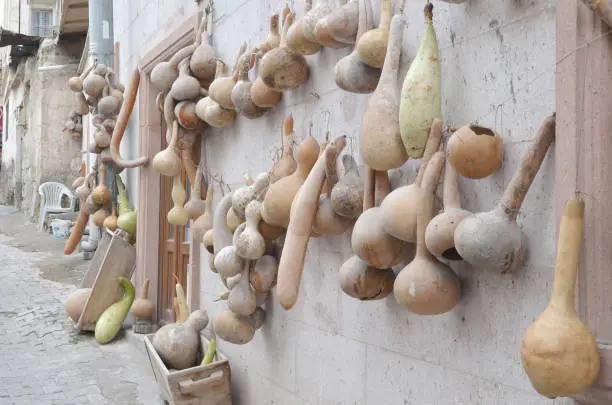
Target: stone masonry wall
(498, 68)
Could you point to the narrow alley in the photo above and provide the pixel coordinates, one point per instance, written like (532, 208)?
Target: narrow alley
(43, 359)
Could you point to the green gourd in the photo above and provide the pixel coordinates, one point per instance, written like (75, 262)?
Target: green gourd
(109, 323)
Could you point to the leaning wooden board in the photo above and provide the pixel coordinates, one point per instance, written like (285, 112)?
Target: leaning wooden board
(208, 384)
(96, 261)
(119, 259)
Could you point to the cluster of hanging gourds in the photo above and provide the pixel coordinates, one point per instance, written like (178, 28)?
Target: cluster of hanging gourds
(306, 199)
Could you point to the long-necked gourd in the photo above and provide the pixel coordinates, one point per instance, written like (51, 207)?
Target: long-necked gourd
(559, 353)
(372, 46)
(277, 203)
(474, 151)
(283, 68)
(493, 240)
(440, 232)
(426, 286)
(303, 212)
(296, 40)
(380, 141)
(204, 222)
(340, 26)
(369, 241)
(350, 73)
(421, 100)
(321, 29)
(326, 221)
(241, 299)
(248, 242)
(195, 206)
(241, 93)
(399, 209)
(286, 165)
(220, 90)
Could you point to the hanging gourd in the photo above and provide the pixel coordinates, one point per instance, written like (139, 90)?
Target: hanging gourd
(178, 215)
(372, 46)
(380, 140)
(426, 286)
(165, 73)
(203, 61)
(350, 73)
(364, 282)
(399, 208)
(220, 90)
(241, 93)
(263, 96)
(347, 195)
(421, 99)
(195, 207)
(338, 29)
(559, 353)
(283, 68)
(493, 240)
(474, 151)
(185, 87)
(166, 162)
(286, 165)
(273, 39)
(296, 40)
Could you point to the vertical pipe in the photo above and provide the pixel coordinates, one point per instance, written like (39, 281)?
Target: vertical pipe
(101, 43)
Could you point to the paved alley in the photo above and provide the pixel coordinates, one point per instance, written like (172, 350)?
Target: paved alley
(43, 359)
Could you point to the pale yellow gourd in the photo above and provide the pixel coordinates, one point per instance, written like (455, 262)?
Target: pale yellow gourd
(372, 46)
(167, 162)
(178, 215)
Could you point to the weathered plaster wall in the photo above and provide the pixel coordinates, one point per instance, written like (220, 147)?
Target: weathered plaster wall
(498, 68)
(47, 153)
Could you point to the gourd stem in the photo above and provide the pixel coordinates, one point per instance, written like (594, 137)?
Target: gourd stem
(368, 189)
(286, 25)
(514, 194)
(452, 198)
(365, 19)
(568, 254)
(385, 14)
(144, 293)
(381, 186)
(394, 46)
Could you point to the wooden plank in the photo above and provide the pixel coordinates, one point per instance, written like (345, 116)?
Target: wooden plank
(583, 147)
(159, 370)
(119, 260)
(96, 261)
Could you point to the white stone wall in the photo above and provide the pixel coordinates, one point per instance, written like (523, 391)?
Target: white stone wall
(498, 67)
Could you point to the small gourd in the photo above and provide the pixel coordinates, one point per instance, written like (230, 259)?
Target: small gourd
(350, 73)
(233, 329)
(75, 83)
(232, 220)
(204, 222)
(241, 93)
(227, 262)
(110, 222)
(263, 96)
(347, 195)
(177, 215)
(203, 62)
(372, 46)
(474, 151)
(283, 68)
(80, 104)
(263, 274)
(296, 40)
(208, 241)
(310, 19)
(242, 300)
(100, 216)
(273, 39)
(93, 85)
(101, 195)
(195, 207)
(220, 90)
(165, 73)
(166, 162)
(102, 138)
(364, 282)
(249, 243)
(344, 19)
(243, 196)
(143, 307)
(185, 87)
(185, 113)
(212, 112)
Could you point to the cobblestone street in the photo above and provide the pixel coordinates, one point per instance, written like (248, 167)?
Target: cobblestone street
(43, 359)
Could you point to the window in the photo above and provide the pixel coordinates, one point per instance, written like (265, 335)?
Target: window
(40, 23)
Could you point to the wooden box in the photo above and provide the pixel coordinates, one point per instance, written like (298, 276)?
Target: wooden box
(208, 384)
(114, 257)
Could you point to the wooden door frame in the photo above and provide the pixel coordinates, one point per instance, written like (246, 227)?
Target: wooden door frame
(149, 117)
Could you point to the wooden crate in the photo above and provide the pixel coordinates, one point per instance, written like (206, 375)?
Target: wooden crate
(96, 261)
(208, 384)
(113, 259)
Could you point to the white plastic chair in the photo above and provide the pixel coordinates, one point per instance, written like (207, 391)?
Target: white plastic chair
(51, 194)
